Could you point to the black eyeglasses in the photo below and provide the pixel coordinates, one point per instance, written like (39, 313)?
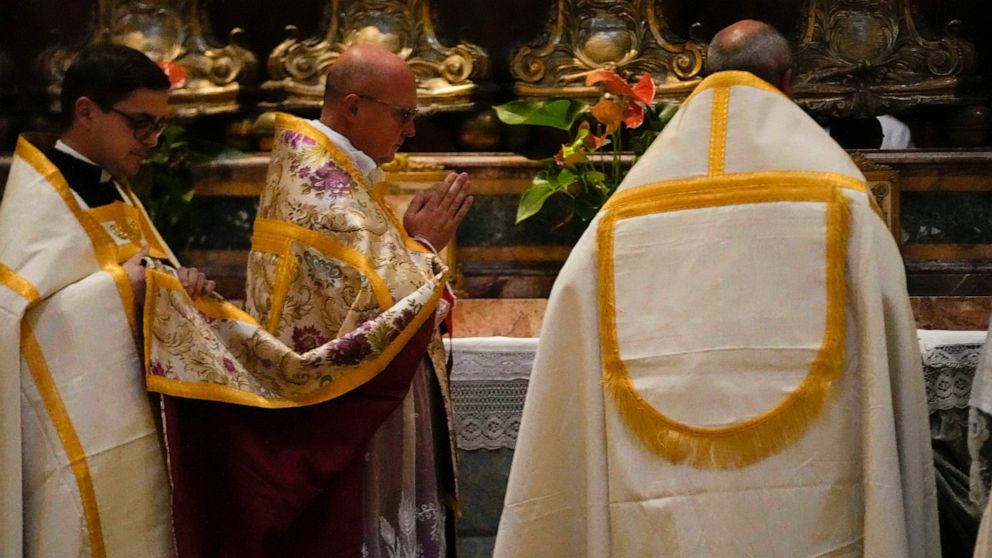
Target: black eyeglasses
(142, 127)
(404, 114)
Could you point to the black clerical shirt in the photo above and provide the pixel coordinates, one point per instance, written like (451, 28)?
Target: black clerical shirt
(84, 179)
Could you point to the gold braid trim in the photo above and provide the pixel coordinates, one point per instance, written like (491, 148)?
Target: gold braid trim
(18, 284)
(75, 453)
(754, 439)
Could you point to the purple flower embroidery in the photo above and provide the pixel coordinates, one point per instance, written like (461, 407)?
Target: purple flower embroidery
(228, 364)
(331, 179)
(405, 317)
(157, 368)
(295, 139)
(350, 350)
(307, 338)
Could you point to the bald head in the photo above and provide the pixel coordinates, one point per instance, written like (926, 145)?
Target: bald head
(371, 98)
(366, 69)
(752, 46)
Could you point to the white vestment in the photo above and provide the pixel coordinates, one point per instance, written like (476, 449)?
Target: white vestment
(81, 467)
(728, 364)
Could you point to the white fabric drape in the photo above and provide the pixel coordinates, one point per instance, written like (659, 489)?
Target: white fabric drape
(718, 315)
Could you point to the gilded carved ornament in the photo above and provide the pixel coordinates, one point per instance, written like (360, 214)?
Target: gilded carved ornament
(296, 67)
(204, 77)
(883, 183)
(868, 57)
(629, 36)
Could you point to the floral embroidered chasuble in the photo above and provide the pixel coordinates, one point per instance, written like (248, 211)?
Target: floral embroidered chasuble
(340, 343)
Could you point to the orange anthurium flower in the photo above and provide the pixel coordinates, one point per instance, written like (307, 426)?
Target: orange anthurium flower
(612, 82)
(608, 113)
(633, 115)
(644, 90)
(636, 98)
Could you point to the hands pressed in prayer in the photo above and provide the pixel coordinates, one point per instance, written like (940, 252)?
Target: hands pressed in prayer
(195, 281)
(434, 216)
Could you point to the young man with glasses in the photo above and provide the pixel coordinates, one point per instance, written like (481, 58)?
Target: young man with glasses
(83, 470)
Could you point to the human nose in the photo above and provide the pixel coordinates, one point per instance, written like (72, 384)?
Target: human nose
(409, 129)
(151, 140)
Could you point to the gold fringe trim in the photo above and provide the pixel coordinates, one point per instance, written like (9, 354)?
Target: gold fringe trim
(752, 440)
(811, 181)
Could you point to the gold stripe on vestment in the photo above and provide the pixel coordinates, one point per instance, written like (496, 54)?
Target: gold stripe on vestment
(59, 416)
(754, 439)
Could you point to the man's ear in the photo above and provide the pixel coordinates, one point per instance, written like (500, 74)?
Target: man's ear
(350, 103)
(786, 84)
(84, 110)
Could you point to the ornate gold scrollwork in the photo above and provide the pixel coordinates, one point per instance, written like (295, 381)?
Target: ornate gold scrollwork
(868, 57)
(296, 67)
(630, 36)
(170, 32)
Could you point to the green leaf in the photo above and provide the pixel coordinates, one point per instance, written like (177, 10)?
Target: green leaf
(576, 151)
(565, 179)
(593, 177)
(585, 208)
(560, 113)
(533, 199)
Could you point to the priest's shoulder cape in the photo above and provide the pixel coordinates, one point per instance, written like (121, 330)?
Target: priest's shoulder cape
(333, 296)
(82, 469)
(269, 411)
(728, 364)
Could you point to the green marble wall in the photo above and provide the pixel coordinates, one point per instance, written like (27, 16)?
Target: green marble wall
(947, 217)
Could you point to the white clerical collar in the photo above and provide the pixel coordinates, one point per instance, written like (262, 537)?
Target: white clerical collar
(364, 163)
(61, 146)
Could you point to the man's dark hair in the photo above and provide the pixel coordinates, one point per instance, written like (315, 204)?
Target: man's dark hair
(108, 73)
(763, 51)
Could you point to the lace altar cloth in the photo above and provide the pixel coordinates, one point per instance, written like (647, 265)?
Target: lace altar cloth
(949, 361)
(488, 385)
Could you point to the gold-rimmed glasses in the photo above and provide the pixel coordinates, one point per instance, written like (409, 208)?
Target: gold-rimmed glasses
(403, 114)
